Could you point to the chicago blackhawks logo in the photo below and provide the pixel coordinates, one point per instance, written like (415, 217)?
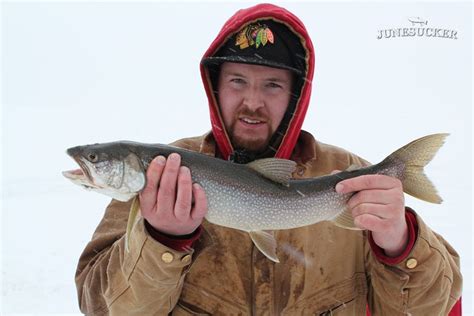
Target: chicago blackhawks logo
(254, 34)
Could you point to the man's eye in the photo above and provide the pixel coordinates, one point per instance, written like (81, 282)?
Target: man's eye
(274, 85)
(237, 80)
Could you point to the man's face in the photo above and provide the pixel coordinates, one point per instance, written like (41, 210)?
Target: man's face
(253, 100)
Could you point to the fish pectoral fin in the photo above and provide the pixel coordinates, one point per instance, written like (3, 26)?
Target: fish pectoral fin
(353, 167)
(266, 243)
(275, 169)
(345, 220)
(132, 216)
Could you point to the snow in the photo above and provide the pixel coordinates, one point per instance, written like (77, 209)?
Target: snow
(93, 72)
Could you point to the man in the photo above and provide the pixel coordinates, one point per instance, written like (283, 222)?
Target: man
(257, 75)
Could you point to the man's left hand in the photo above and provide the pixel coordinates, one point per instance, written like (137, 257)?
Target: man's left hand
(378, 205)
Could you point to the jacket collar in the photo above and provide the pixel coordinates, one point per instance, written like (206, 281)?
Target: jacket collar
(304, 150)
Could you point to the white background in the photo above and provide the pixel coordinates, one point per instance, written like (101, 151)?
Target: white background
(93, 72)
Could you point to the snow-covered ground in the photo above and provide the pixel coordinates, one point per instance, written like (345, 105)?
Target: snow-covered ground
(92, 72)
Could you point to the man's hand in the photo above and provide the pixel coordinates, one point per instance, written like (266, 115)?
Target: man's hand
(167, 200)
(378, 205)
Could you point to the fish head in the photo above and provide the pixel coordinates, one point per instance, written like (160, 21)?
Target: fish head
(110, 169)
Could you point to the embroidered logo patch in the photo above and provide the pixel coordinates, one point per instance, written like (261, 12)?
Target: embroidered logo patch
(254, 34)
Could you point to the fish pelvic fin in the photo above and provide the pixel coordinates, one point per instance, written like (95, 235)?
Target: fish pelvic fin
(275, 169)
(132, 216)
(345, 220)
(416, 155)
(266, 243)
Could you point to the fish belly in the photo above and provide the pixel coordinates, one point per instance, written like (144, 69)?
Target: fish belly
(251, 211)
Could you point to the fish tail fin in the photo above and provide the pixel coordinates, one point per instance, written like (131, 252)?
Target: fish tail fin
(134, 210)
(416, 155)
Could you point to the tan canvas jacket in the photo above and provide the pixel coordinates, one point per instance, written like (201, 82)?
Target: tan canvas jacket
(324, 270)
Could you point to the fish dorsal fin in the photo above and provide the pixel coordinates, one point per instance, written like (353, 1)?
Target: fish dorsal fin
(266, 243)
(275, 169)
(135, 171)
(345, 220)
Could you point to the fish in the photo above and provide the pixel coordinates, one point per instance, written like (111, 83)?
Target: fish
(259, 197)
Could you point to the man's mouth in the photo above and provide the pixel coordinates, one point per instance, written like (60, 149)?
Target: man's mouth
(247, 120)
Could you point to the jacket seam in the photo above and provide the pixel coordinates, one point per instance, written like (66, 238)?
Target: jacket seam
(134, 260)
(116, 294)
(442, 256)
(105, 307)
(449, 279)
(433, 247)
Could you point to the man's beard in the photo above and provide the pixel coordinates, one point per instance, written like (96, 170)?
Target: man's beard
(256, 143)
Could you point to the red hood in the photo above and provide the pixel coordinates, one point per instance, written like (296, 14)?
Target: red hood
(234, 24)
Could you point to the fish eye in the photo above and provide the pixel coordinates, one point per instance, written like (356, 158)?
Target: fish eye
(92, 157)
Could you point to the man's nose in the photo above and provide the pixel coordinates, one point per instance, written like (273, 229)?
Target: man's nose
(253, 100)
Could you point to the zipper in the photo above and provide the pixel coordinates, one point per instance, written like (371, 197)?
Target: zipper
(273, 306)
(252, 281)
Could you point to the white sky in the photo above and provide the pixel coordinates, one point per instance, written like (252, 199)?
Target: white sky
(93, 72)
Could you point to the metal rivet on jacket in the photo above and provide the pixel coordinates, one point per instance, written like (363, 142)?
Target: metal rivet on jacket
(411, 263)
(167, 257)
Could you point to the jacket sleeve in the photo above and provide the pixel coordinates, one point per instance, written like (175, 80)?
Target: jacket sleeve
(427, 282)
(145, 280)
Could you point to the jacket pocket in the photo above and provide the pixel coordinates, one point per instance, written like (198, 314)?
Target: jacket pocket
(186, 309)
(345, 308)
(196, 300)
(346, 297)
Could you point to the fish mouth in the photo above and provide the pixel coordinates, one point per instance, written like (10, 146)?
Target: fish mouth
(80, 176)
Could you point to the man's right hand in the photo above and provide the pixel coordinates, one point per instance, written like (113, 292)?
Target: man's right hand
(167, 203)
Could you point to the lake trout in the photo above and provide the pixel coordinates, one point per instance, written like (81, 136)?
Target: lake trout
(255, 197)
